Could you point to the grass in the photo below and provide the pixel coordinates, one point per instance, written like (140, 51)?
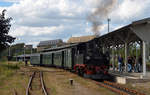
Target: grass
(15, 76)
(11, 78)
(7, 69)
(16, 82)
(58, 83)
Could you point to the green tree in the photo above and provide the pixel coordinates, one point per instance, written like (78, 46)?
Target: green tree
(5, 25)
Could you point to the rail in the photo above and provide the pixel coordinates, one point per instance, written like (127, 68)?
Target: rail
(43, 85)
(41, 81)
(118, 88)
(123, 88)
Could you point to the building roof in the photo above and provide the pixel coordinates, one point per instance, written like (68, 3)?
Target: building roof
(134, 32)
(61, 47)
(80, 39)
(50, 42)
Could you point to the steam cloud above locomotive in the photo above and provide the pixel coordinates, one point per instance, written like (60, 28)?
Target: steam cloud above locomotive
(104, 8)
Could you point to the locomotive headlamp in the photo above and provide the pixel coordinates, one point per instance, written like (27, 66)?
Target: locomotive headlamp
(88, 57)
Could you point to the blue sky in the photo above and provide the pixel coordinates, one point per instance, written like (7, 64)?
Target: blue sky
(5, 4)
(37, 20)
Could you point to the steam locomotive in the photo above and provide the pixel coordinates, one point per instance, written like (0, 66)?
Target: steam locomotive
(85, 58)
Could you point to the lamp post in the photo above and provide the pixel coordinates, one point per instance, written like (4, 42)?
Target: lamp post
(9, 55)
(16, 51)
(108, 23)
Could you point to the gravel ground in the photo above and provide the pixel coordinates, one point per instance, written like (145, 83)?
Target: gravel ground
(141, 87)
(56, 81)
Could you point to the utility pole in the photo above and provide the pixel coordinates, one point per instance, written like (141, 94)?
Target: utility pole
(9, 50)
(108, 23)
(24, 52)
(8, 56)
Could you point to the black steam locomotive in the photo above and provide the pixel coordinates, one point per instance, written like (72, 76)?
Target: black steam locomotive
(86, 59)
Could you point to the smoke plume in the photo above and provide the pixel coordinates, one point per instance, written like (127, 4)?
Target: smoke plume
(104, 7)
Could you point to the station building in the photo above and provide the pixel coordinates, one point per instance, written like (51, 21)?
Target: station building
(49, 44)
(137, 33)
(80, 39)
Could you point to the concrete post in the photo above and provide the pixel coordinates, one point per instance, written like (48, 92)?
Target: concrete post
(141, 48)
(141, 54)
(144, 58)
(113, 61)
(126, 55)
(136, 54)
(147, 52)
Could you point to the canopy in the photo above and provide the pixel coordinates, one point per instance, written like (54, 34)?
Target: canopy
(136, 31)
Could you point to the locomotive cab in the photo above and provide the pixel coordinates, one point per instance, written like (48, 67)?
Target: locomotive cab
(95, 65)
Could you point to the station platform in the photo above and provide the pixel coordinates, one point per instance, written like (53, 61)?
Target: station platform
(132, 77)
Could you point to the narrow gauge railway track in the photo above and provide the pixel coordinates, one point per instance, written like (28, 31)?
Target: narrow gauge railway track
(118, 88)
(15, 92)
(36, 84)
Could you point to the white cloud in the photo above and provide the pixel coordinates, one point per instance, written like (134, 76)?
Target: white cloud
(88, 30)
(36, 31)
(128, 9)
(19, 31)
(2, 8)
(63, 18)
(43, 17)
(49, 8)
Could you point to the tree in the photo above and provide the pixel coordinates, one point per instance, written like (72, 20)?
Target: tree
(5, 25)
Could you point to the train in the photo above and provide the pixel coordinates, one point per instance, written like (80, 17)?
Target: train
(85, 59)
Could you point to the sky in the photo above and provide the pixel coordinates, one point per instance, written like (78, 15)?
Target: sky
(39, 20)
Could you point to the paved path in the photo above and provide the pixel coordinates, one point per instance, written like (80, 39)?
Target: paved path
(131, 75)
